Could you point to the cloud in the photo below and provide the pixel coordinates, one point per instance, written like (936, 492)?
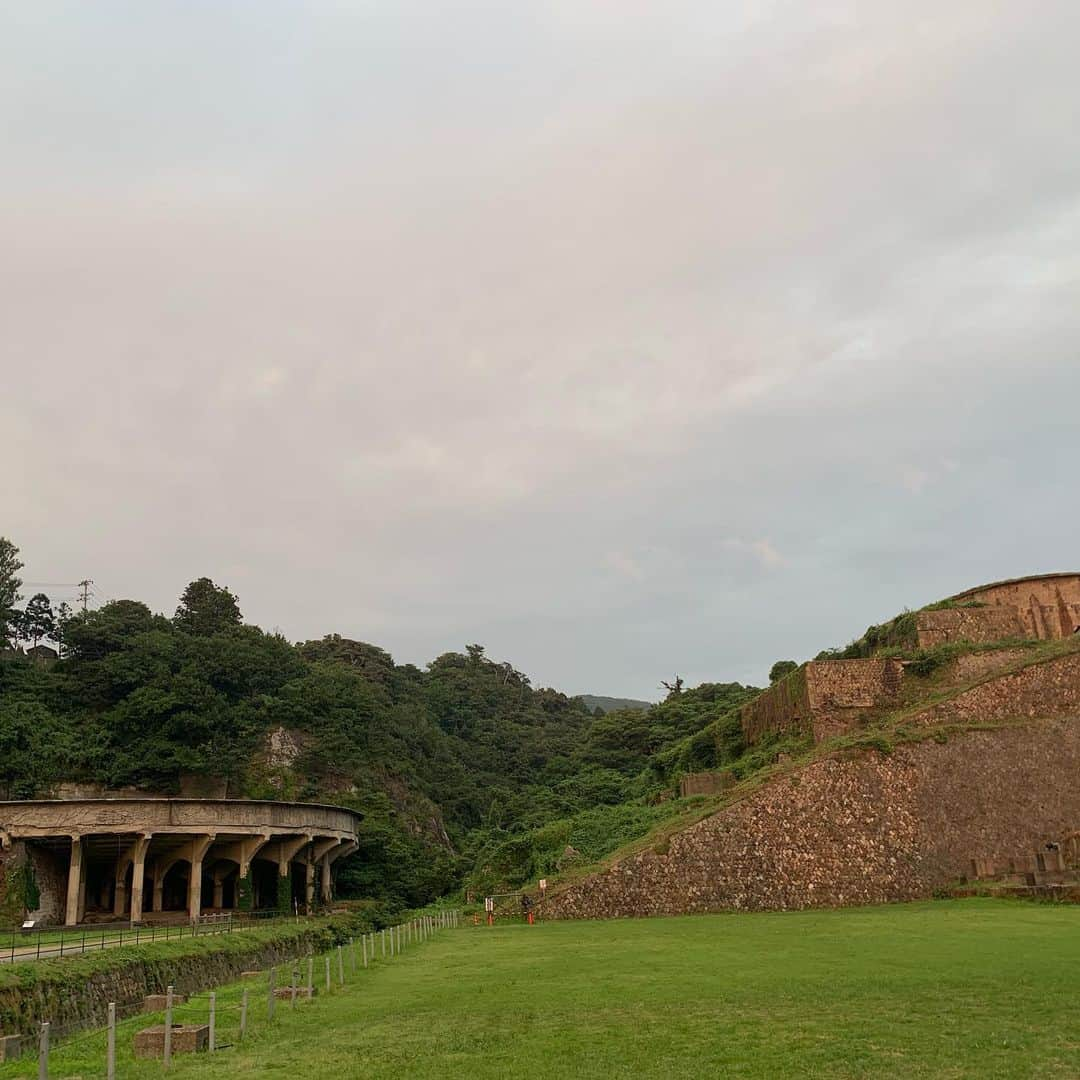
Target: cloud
(913, 479)
(762, 550)
(624, 565)
(398, 316)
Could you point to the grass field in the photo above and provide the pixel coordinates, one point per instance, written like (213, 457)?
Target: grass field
(968, 988)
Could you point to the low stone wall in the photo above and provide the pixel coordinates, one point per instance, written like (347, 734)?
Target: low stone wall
(74, 992)
(705, 783)
(866, 828)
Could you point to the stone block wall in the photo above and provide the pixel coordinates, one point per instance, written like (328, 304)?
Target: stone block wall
(1049, 688)
(867, 828)
(824, 698)
(977, 624)
(1045, 608)
(783, 708)
(705, 783)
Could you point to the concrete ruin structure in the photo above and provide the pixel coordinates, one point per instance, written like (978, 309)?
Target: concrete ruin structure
(958, 770)
(139, 859)
(824, 698)
(1043, 608)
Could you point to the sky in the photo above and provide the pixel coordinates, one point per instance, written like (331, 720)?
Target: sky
(626, 339)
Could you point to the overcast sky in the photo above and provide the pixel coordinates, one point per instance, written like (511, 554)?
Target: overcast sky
(627, 339)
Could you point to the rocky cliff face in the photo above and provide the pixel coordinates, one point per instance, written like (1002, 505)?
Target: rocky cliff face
(856, 828)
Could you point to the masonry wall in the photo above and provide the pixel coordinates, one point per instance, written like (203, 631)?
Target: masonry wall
(52, 990)
(824, 698)
(705, 783)
(870, 828)
(1050, 688)
(979, 625)
(1045, 608)
(1048, 591)
(783, 708)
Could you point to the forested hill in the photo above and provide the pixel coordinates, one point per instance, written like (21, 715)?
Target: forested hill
(592, 702)
(449, 764)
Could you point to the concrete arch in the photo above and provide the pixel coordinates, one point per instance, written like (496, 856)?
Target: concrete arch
(132, 845)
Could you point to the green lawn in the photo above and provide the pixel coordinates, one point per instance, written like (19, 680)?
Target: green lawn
(971, 988)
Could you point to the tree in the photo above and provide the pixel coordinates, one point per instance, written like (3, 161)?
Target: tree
(780, 669)
(16, 627)
(674, 689)
(207, 609)
(64, 615)
(10, 583)
(39, 621)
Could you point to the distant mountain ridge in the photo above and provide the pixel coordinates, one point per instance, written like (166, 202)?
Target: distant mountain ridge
(610, 704)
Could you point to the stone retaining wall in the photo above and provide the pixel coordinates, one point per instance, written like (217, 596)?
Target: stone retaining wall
(822, 698)
(74, 993)
(866, 828)
(1048, 688)
(978, 625)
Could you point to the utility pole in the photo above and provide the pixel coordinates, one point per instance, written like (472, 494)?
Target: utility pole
(85, 586)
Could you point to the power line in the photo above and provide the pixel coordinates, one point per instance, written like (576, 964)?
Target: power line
(85, 586)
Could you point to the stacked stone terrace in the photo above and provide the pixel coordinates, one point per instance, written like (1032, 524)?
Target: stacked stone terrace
(825, 698)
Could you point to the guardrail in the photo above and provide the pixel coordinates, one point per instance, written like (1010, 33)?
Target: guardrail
(44, 944)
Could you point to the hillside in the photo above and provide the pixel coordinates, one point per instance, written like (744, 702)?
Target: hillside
(592, 702)
(455, 766)
(880, 776)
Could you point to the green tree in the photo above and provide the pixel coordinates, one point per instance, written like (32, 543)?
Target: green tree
(10, 583)
(38, 619)
(34, 748)
(780, 669)
(64, 615)
(206, 608)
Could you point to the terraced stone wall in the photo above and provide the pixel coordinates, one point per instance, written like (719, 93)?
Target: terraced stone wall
(857, 829)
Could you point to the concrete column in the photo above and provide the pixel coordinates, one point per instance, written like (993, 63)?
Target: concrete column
(120, 900)
(199, 847)
(220, 874)
(309, 882)
(138, 870)
(157, 889)
(82, 891)
(324, 885)
(75, 883)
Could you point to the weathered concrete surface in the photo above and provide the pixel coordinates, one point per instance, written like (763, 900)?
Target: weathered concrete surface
(186, 1039)
(867, 828)
(115, 856)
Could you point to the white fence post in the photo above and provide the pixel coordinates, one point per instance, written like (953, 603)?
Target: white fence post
(167, 1050)
(110, 1046)
(43, 1052)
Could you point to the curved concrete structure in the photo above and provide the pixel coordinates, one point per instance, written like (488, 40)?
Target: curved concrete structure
(127, 857)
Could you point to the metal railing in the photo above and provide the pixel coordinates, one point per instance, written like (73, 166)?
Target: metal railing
(43, 944)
